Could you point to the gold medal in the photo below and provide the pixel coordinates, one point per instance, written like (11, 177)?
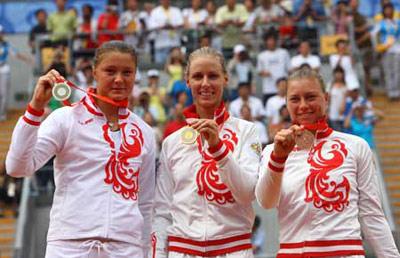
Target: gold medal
(305, 141)
(61, 91)
(188, 135)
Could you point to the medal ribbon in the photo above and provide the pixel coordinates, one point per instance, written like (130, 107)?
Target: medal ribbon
(320, 125)
(123, 103)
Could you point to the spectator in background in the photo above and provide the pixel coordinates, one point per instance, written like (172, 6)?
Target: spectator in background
(379, 14)
(195, 16)
(284, 122)
(272, 64)
(305, 57)
(341, 18)
(166, 21)
(7, 50)
(275, 103)
(269, 12)
(230, 18)
(39, 29)
(178, 120)
(129, 23)
(108, 23)
(205, 39)
(307, 15)
(149, 119)
(337, 96)
(360, 124)
(177, 88)
(84, 78)
(257, 236)
(344, 59)
(148, 35)
(157, 96)
(61, 24)
(240, 69)
(212, 25)
(387, 32)
(287, 32)
(174, 66)
(363, 42)
(251, 23)
(86, 30)
(245, 113)
(255, 104)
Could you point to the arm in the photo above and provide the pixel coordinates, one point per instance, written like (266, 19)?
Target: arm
(373, 222)
(146, 197)
(240, 175)
(31, 147)
(268, 188)
(162, 206)
(269, 184)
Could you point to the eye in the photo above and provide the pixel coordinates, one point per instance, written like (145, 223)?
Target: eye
(294, 99)
(109, 71)
(127, 73)
(197, 76)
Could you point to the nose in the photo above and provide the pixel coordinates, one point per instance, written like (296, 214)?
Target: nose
(118, 77)
(303, 103)
(205, 81)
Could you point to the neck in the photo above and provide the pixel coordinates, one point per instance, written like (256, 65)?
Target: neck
(110, 111)
(205, 112)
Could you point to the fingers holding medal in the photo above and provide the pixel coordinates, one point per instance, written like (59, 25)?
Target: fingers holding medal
(285, 140)
(206, 127)
(44, 88)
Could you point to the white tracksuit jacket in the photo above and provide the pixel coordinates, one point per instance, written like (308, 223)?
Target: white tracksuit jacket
(101, 191)
(203, 203)
(325, 198)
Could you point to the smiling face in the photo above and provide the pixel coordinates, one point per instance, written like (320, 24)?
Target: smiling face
(115, 75)
(206, 79)
(306, 102)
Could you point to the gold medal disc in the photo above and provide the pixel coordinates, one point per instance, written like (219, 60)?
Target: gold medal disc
(189, 135)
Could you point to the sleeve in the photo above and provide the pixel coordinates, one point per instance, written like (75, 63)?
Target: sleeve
(268, 188)
(239, 175)
(374, 226)
(260, 66)
(219, 17)
(33, 144)
(178, 18)
(146, 197)
(162, 206)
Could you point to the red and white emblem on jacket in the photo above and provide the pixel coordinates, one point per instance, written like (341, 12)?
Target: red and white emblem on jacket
(208, 181)
(120, 172)
(321, 189)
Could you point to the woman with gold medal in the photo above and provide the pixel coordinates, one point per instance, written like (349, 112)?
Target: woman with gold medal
(207, 173)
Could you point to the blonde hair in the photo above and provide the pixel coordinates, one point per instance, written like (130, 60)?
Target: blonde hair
(205, 52)
(307, 73)
(114, 46)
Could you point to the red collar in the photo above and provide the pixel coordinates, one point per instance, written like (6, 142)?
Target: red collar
(90, 104)
(321, 128)
(220, 114)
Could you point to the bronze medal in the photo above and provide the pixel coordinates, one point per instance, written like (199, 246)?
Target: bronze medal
(305, 141)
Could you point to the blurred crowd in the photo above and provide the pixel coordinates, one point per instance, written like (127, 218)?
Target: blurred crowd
(262, 41)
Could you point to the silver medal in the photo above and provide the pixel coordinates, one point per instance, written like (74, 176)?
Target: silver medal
(305, 141)
(61, 91)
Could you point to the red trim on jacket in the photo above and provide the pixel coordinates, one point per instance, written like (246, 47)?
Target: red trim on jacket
(34, 112)
(31, 122)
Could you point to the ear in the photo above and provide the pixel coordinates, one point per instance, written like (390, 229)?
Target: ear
(226, 80)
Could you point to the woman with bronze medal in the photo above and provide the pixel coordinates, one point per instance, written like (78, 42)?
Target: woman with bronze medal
(207, 173)
(322, 182)
(104, 165)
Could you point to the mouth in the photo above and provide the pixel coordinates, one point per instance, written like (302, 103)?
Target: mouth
(206, 94)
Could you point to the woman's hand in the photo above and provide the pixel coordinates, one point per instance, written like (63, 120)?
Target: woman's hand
(284, 140)
(208, 128)
(42, 93)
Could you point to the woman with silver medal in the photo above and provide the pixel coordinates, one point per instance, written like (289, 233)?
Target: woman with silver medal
(104, 166)
(322, 182)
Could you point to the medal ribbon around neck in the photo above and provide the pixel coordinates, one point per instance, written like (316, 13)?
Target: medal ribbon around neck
(320, 125)
(123, 103)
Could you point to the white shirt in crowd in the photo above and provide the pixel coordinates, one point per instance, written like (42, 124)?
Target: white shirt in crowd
(272, 108)
(254, 103)
(337, 98)
(347, 65)
(194, 18)
(312, 60)
(277, 64)
(159, 18)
